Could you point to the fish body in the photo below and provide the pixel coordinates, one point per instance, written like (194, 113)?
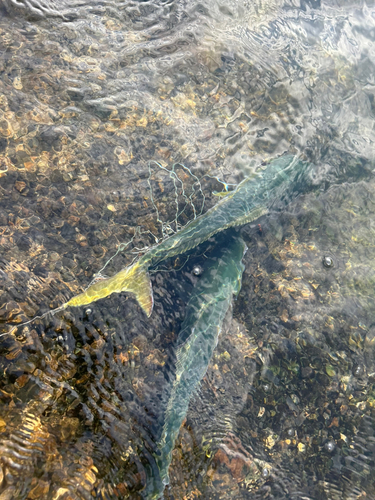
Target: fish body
(252, 198)
(205, 313)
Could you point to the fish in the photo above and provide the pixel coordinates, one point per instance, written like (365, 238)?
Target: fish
(198, 337)
(252, 198)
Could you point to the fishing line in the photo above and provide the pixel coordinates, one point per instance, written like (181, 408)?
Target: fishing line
(53, 312)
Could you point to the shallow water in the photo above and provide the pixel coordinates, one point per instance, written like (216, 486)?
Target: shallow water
(90, 92)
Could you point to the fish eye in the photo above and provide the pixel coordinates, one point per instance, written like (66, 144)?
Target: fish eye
(327, 261)
(197, 270)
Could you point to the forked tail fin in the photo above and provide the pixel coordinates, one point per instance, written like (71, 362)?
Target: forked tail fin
(140, 285)
(134, 279)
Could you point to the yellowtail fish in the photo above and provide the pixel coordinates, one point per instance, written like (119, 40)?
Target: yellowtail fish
(205, 313)
(252, 198)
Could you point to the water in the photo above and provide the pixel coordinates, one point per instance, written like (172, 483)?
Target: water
(90, 92)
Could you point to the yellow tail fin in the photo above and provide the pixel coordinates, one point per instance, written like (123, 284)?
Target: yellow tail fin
(132, 279)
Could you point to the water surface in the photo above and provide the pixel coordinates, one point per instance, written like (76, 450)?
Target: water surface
(90, 92)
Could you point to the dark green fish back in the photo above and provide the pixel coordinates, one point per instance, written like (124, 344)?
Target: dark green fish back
(248, 202)
(198, 338)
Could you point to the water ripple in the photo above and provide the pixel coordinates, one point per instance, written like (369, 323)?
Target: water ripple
(89, 93)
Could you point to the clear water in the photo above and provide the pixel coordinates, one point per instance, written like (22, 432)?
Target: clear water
(90, 92)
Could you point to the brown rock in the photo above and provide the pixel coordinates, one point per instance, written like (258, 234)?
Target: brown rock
(8, 493)
(235, 457)
(39, 490)
(20, 186)
(22, 380)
